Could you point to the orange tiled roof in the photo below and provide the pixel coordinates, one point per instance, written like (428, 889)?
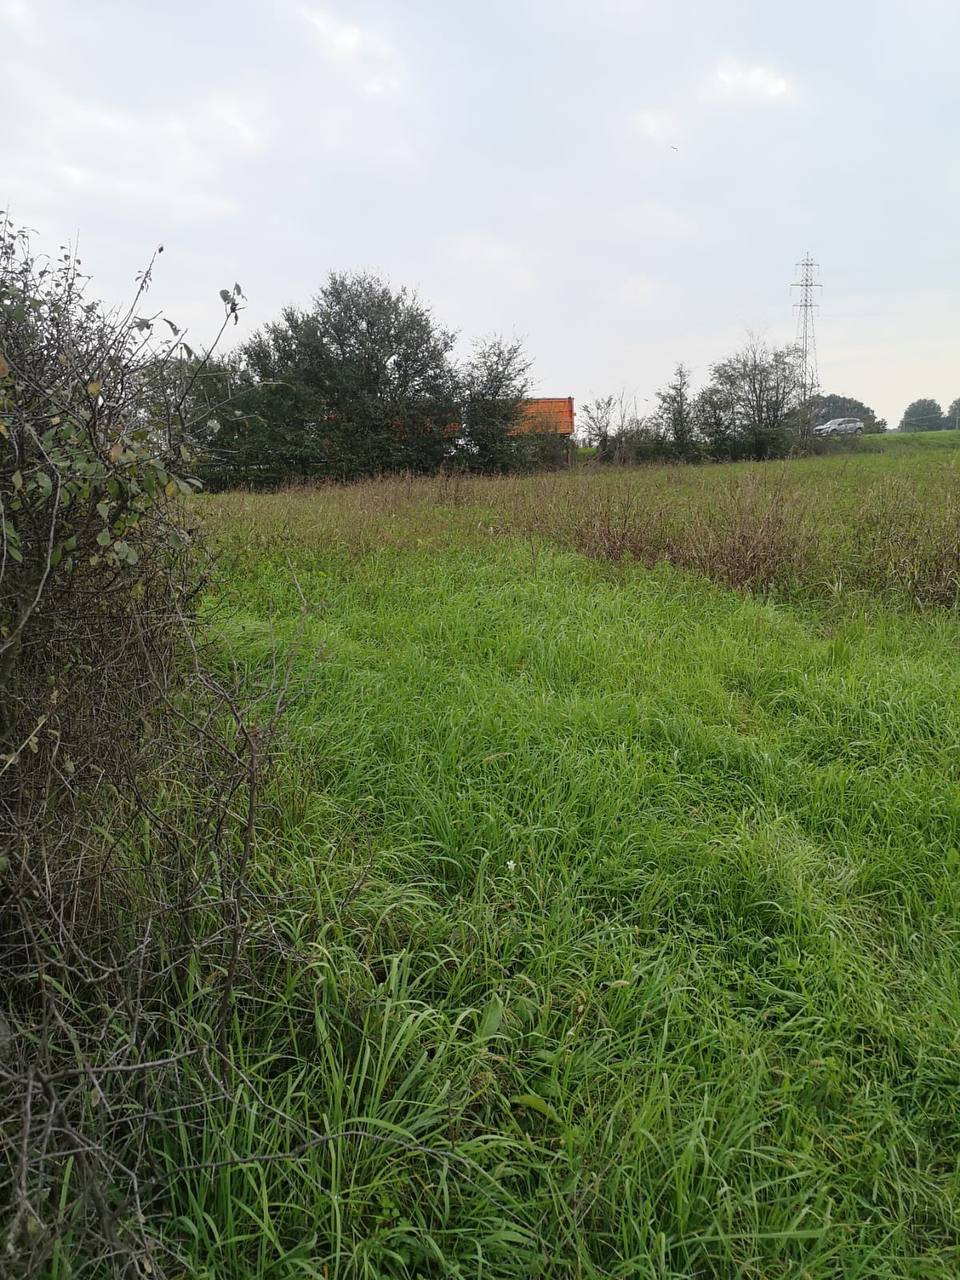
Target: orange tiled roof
(546, 417)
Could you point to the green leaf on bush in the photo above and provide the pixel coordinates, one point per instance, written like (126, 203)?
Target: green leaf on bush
(103, 538)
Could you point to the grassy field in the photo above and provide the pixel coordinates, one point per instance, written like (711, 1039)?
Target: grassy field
(619, 931)
(880, 522)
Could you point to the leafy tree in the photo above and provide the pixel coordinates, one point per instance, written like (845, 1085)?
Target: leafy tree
(208, 415)
(597, 419)
(621, 435)
(675, 412)
(715, 420)
(265, 437)
(825, 407)
(759, 387)
(952, 416)
(749, 409)
(922, 415)
(492, 386)
(360, 382)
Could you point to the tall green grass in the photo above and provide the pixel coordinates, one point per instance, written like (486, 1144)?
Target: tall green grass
(879, 520)
(619, 929)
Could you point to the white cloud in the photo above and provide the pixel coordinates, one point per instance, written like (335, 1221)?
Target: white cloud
(339, 41)
(234, 118)
(634, 291)
(751, 82)
(175, 163)
(19, 14)
(486, 256)
(139, 189)
(650, 220)
(366, 56)
(656, 126)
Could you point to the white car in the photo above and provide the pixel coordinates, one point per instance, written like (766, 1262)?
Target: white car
(839, 427)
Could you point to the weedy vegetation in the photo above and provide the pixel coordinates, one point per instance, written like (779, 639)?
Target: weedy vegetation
(549, 876)
(620, 906)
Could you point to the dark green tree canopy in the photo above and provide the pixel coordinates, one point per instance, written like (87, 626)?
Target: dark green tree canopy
(372, 352)
(364, 381)
(825, 407)
(715, 421)
(922, 415)
(493, 384)
(365, 377)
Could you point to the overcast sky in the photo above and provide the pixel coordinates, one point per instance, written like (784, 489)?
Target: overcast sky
(515, 161)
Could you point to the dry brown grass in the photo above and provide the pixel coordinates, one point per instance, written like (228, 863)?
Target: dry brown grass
(883, 524)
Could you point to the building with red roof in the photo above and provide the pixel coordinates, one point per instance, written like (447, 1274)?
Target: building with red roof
(546, 417)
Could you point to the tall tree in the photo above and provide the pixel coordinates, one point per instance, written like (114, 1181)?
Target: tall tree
(761, 386)
(492, 384)
(825, 407)
(922, 415)
(952, 416)
(364, 376)
(714, 413)
(675, 412)
(597, 419)
(620, 434)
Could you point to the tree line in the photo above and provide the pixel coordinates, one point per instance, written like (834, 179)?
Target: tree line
(926, 415)
(363, 381)
(366, 380)
(751, 408)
